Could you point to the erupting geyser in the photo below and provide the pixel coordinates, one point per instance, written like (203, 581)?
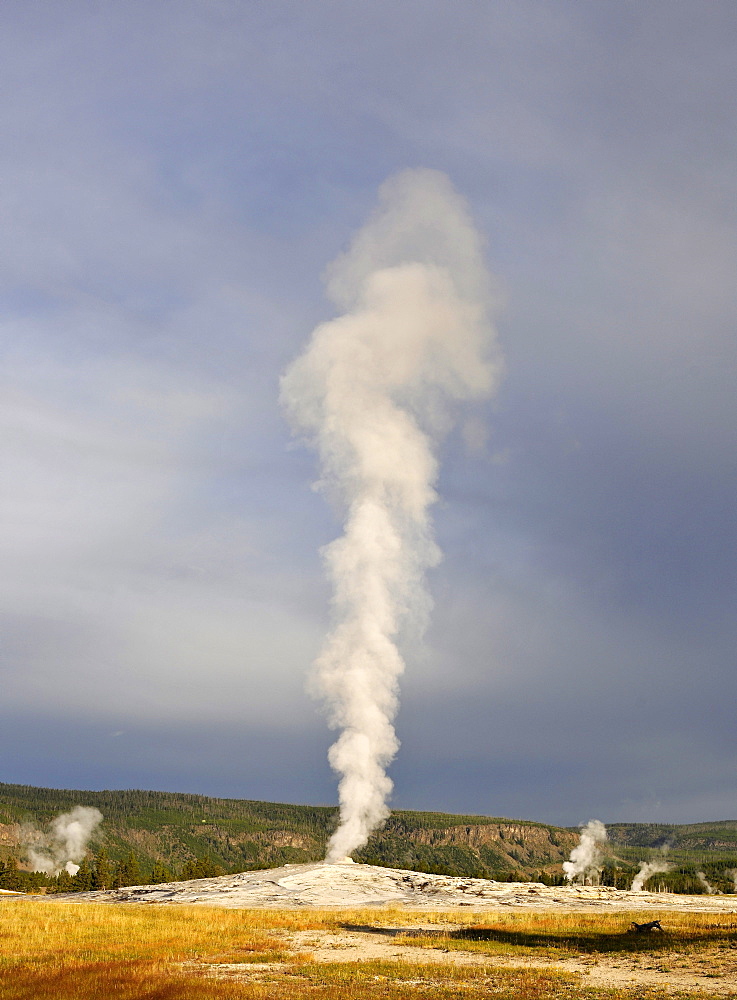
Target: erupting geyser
(374, 392)
(648, 868)
(66, 842)
(585, 860)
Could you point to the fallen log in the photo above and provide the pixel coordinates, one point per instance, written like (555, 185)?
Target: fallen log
(651, 925)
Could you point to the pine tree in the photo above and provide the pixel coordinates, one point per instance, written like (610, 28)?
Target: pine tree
(134, 869)
(63, 881)
(127, 872)
(190, 870)
(9, 874)
(102, 875)
(160, 874)
(82, 881)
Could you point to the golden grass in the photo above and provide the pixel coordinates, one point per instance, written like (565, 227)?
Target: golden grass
(146, 952)
(91, 950)
(381, 980)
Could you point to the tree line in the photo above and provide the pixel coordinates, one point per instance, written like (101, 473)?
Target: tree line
(99, 872)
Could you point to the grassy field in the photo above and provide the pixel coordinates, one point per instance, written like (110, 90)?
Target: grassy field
(89, 951)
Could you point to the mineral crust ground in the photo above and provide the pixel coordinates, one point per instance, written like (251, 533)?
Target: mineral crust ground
(343, 885)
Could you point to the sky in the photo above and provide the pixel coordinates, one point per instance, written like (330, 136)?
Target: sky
(177, 177)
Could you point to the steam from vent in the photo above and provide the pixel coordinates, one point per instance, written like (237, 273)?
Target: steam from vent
(375, 392)
(648, 868)
(66, 842)
(585, 859)
(708, 887)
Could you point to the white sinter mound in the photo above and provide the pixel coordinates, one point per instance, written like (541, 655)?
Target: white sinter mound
(352, 885)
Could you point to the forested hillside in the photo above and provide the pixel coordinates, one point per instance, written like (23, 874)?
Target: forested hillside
(175, 830)
(701, 838)
(155, 836)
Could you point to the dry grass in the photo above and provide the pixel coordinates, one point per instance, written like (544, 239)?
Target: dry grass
(91, 951)
(555, 935)
(377, 980)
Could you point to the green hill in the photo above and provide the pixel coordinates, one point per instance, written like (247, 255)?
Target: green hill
(175, 829)
(702, 856)
(168, 833)
(700, 838)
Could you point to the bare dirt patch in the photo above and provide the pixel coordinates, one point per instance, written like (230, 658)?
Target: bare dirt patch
(672, 970)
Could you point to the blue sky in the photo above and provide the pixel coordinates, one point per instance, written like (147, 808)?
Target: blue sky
(176, 178)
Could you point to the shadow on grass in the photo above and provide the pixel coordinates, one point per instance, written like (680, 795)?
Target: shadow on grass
(588, 941)
(385, 931)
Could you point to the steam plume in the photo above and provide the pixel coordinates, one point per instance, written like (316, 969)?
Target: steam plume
(711, 890)
(66, 842)
(585, 859)
(648, 868)
(374, 393)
